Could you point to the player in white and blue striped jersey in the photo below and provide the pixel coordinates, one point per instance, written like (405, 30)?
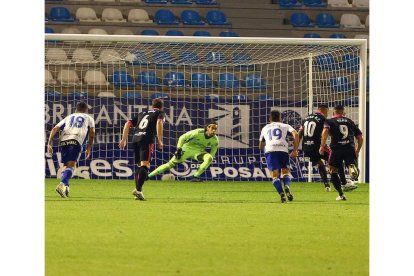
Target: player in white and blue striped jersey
(273, 141)
(73, 130)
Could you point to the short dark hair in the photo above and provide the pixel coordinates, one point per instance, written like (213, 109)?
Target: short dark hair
(321, 106)
(208, 124)
(157, 103)
(81, 107)
(339, 108)
(275, 115)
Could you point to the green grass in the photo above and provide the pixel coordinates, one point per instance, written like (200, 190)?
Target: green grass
(210, 228)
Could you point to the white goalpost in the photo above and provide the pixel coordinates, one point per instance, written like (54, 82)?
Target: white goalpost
(233, 81)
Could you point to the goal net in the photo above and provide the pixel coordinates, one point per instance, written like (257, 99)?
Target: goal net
(233, 81)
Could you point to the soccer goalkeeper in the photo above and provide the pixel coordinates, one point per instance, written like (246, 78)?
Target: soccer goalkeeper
(193, 144)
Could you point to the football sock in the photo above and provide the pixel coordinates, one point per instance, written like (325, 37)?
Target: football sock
(337, 183)
(341, 172)
(286, 181)
(207, 159)
(161, 169)
(66, 175)
(323, 173)
(140, 177)
(278, 185)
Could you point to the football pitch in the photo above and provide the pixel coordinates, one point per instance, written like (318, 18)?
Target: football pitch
(209, 228)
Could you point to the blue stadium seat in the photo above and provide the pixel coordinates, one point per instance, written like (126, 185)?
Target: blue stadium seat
(326, 62)
(326, 20)
(174, 79)
(163, 59)
(228, 34)
(216, 18)
(189, 57)
(287, 4)
(174, 33)
(189, 17)
(242, 59)
(78, 95)
(150, 32)
(335, 35)
(340, 84)
(350, 62)
(122, 79)
(60, 14)
(254, 81)
(165, 17)
(201, 33)
(264, 97)
(156, 1)
(181, 2)
(300, 19)
(215, 57)
(49, 30)
(312, 35)
(131, 95)
(239, 98)
(213, 98)
(52, 95)
(228, 80)
(148, 79)
(159, 95)
(201, 80)
(138, 58)
(314, 3)
(206, 2)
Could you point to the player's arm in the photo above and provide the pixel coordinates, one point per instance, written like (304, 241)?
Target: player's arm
(294, 152)
(214, 149)
(160, 133)
(324, 137)
(360, 139)
(262, 140)
(300, 133)
(91, 136)
(125, 133)
(182, 140)
(55, 130)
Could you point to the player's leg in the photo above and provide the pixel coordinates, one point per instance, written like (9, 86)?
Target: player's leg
(351, 162)
(71, 152)
(274, 166)
(286, 182)
(206, 160)
(143, 153)
(346, 185)
(170, 164)
(336, 160)
(322, 168)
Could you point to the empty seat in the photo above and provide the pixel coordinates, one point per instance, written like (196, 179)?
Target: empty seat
(109, 56)
(300, 19)
(213, 98)
(206, 2)
(70, 30)
(122, 79)
(289, 3)
(189, 57)
(123, 32)
(156, 1)
(228, 80)
(112, 15)
(339, 3)
(130, 1)
(159, 95)
(201, 80)
(131, 95)
(106, 94)
(228, 34)
(150, 32)
(201, 33)
(336, 35)
(68, 77)
(340, 84)
(56, 56)
(216, 18)
(165, 17)
(350, 20)
(139, 16)
(163, 59)
(264, 97)
(242, 60)
(97, 31)
(174, 33)
(326, 20)
(215, 57)
(95, 77)
(78, 95)
(49, 30)
(189, 17)
(181, 2)
(254, 81)
(60, 14)
(86, 15)
(360, 3)
(81, 55)
(326, 62)
(350, 62)
(174, 79)
(49, 80)
(148, 79)
(51, 95)
(239, 97)
(137, 58)
(314, 3)
(312, 35)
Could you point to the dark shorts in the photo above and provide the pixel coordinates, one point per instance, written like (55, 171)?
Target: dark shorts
(142, 152)
(315, 156)
(277, 160)
(70, 150)
(338, 156)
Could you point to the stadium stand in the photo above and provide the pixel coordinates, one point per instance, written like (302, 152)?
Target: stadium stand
(174, 33)
(201, 33)
(150, 32)
(123, 31)
(68, 77)
(70, 30)
(148, 79)
(131, 95)
(122, 79)
(228, 34)
(228, 80)
(112, 15)
(340, 84)
(85, 14)
(165, 17)
(360, 3)
(96, 78)
(174, 79)
(60, 14)
(108, 56)
(288, 4)
(49, 30)
(300, 19)
(339, 3)
(49, 80)
(312, 35)
(81, 55)
(216, 18)
(56, 56)
(190, 17)
(315, 3)
(326, 20)
(139, 16)
(201, 80)
(181, 2)
(337, 35)
(349, 20)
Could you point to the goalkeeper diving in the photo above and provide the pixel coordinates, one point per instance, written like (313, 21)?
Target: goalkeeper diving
(193, 144)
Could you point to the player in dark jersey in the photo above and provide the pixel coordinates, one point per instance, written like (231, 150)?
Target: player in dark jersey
(148, 126)
(343, 132)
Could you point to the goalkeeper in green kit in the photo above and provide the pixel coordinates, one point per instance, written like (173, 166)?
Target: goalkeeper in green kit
(193, 145)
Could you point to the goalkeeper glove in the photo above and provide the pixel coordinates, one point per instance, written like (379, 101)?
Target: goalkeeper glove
(178, 153)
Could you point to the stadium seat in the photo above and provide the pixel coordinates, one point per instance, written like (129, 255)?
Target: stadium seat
(84, 14)
(78, 95)
(156, 1)
(360, 3)
(174, 33)
(137, 58)
(121, 78)
(174, 79)
(49, 30)
(81, 55)
(314, 3)
(201, 80)
(49, 80)
(112, 15)
(300, 19)
(106, 94)
(97, 31)
(287, 4)
(312, 35)
(350, 62)
(51, 95)
(60, 14)
(242, 59)
(339, 3)
(326, 62)
(108, 56)
(95, 77)
(264, 97)
(254, 81)
(336, 35)
(228, 34)
(216, 18)
(68, 77)
(150, 32)
(239, 97)
(228, 80)
(201, 33)
(70, 30)
(340, 84)
(148, 79)
(165, 17)
(56, 56)
(189, 57)
(214, 58)
(351, 21)
(139, 16)
(206, 2)
(159, 95)
(130, 1)
(367, 21)
(213, 98)
(189, 17)
(163, 59)
(131, 95)
(181, 2)
(123, 31)
(326, 20)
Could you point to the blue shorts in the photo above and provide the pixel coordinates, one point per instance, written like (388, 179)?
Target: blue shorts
(71, 151)
(277, 160)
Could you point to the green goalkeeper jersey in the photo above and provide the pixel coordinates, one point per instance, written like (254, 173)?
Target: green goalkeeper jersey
(195, 140)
